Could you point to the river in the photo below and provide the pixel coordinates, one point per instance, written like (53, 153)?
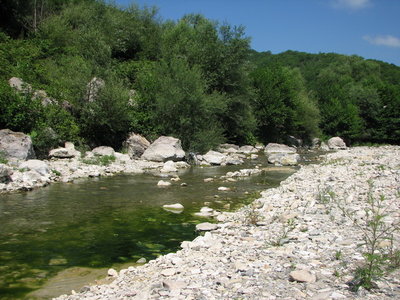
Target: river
(82, 228)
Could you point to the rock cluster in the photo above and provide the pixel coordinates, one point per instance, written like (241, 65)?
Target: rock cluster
(291, 252)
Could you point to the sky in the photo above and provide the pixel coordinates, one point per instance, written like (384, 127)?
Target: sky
(368, 28)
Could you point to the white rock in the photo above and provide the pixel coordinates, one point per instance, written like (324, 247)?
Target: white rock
(163, 183)
(169, 167)
(206, 226)
(112, 273)
(223, 188)
(141, 260)
(103, 151)
(302, 276)
(163, 149)
(336, 143)
(36, 165)
(214, 157)
(278, 148)
(176, 206)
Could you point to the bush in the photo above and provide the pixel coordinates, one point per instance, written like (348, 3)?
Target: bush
(106, 120)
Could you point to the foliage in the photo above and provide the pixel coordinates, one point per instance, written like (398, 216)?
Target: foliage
(358, 99)
(173, 95)
(282, 106)
(18, 111)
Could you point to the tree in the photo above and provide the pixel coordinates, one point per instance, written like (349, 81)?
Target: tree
(282, 106)
(173, 95)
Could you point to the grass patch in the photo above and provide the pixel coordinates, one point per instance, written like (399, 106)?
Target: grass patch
(103, 160)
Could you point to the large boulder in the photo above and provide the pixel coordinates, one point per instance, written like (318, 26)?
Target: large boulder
(164, 148)
(103, 151)
(67, 152)
(280, 154)
(336, 143)
(38, 166)
(16, 145)
(214, 157)
(135, 145)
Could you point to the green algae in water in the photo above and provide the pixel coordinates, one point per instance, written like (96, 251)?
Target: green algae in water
(98, 223)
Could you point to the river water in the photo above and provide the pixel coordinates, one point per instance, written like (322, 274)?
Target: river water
(98, 223)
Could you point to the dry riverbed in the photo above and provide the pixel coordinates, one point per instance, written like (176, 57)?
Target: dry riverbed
(302, 247)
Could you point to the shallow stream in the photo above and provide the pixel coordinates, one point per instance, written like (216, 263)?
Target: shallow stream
(78, 229)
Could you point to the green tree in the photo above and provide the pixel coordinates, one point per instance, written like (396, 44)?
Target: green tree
(282, 106)
(18, 111)
(173, 95)
(106, 120)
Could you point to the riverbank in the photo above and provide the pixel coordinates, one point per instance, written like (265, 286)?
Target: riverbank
(299, 228)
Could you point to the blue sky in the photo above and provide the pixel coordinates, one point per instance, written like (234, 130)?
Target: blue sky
(369, 28)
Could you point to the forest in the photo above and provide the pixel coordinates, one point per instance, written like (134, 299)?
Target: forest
(195, 79)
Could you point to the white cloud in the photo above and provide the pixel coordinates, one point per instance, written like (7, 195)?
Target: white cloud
(383, 40)
(352, 4)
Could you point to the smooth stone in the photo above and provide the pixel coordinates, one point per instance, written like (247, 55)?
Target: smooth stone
(174, 208)
(223, 188)
(302, 276)
(141, 260)
(112, 273)
(206, 226)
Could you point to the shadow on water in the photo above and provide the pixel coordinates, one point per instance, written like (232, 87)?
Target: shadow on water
(104, 222)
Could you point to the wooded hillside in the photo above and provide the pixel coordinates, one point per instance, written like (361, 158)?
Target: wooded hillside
(94, 72)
